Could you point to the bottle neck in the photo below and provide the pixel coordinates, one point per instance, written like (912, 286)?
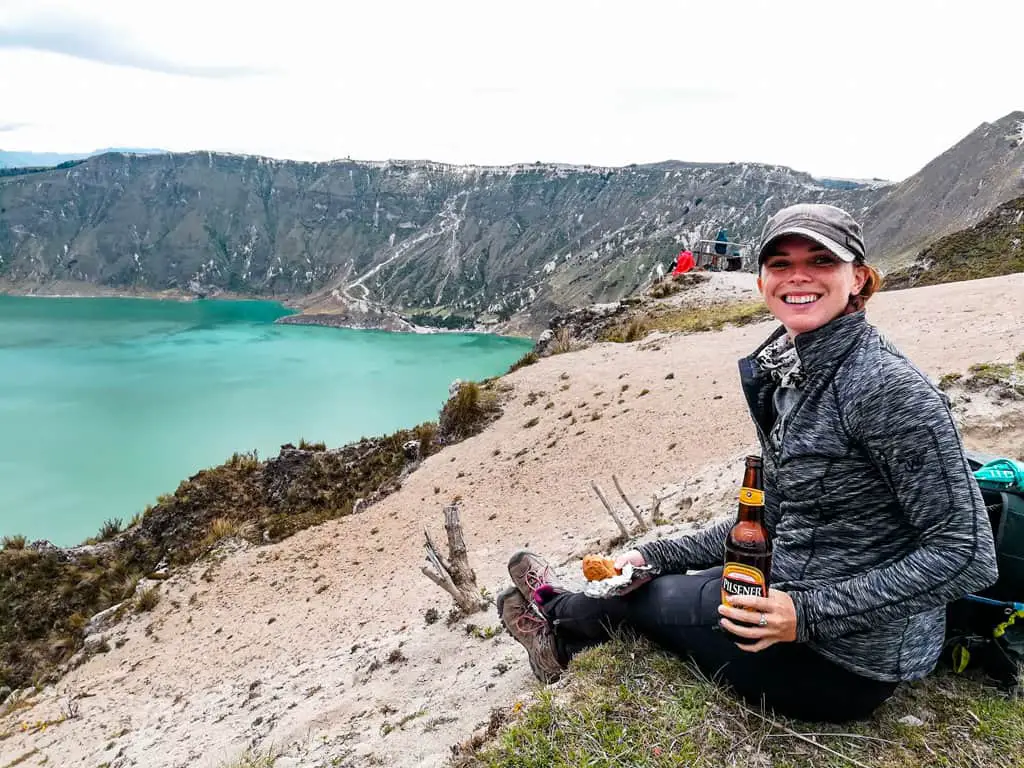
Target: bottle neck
(751, 502)
(750, 513)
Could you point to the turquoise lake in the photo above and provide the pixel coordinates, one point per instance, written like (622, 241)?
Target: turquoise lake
(107, 403)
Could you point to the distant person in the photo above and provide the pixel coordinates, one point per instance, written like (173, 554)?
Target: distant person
(877, 522)
(722, 242)
(684, 263)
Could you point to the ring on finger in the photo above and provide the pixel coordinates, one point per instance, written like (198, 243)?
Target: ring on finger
(763, 621)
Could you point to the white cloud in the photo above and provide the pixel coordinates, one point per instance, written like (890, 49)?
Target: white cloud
(866, 89)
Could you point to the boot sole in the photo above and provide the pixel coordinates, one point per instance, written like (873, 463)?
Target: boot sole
(499, 603)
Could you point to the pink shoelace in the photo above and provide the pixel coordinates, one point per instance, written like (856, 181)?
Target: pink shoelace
(529, 623)
(536, 580)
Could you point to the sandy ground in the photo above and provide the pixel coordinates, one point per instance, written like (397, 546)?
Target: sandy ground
(317, 647)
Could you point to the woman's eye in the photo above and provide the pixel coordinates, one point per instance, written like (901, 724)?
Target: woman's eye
(825, 261)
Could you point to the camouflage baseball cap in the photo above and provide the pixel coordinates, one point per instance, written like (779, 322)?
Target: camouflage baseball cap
(826, 225)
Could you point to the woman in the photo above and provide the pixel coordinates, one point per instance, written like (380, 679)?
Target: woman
(876, 520)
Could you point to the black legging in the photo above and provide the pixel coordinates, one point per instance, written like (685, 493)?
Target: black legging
(680, 613)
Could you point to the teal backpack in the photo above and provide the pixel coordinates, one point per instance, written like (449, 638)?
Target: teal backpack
(986, 630)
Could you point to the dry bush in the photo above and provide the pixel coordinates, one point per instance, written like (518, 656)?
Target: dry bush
(148, 600)
(562, 342)
(529, 358)
(467, 412)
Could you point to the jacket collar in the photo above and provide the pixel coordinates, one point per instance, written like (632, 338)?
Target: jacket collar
(831, 342)
(828, 343)
(820, 351)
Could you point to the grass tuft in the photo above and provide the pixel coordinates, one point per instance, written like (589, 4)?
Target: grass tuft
(529, 358)
(148, 600)
(562, 342)
(468, 411)
(627, 703)
(255, 759)
(688, 320)
(110, 529)
(17, 541)
(221, 528)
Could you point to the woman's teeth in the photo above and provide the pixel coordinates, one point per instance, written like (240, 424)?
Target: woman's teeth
(806, 299)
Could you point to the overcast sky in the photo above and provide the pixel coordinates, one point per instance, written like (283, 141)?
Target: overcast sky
(858, 89)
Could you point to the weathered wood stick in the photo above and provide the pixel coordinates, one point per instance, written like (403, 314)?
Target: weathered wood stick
(636, 513)
(615, 517)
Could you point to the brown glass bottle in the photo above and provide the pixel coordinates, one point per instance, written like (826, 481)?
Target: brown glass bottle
(748, 547)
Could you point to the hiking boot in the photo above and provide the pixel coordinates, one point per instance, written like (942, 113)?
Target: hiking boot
(529, 571)
(531, 630)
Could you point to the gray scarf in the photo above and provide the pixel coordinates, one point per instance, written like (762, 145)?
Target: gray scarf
(780, 361)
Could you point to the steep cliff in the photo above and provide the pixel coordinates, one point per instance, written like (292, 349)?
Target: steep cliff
(438, 243)
(952, 192)
(387, 243)
(992, 247)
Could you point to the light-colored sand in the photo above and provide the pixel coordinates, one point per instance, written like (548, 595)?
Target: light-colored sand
(318, 645)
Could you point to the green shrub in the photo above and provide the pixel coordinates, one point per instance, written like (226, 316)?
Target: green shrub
(110, 529)
(467, 412)
(528, 359)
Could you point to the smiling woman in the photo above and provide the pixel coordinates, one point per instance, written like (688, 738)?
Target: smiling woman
(807, 276)
(867, 549)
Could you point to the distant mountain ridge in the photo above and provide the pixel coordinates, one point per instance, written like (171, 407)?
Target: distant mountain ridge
(351, 242)
(992, 247)
(952, 192)
(46, 159)
(419, 238)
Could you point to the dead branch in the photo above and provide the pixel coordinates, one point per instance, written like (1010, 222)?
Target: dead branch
(615, 517)
(655, 507)
(634, 510)
(454, 575)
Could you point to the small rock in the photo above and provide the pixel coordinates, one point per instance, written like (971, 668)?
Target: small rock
(95, 644)
(911, 721)
(103, 620)
(5, 691)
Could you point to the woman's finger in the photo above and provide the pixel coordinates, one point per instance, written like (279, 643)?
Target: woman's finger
(760, 645)
(752, 602)
(741, 615)
(751, 632)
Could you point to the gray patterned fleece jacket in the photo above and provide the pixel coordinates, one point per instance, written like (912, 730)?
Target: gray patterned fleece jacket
(877, 522)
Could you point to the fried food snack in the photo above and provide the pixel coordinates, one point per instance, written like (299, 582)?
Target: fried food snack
(597, 568)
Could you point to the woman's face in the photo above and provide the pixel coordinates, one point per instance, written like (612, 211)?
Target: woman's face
(805, 286)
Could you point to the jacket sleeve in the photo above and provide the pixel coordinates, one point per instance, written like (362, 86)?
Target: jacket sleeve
(704, 549)
(905, 428)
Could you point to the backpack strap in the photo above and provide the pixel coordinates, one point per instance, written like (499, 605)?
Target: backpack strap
(1001, 475)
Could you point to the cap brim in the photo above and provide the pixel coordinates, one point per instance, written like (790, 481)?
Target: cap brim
(841, 251)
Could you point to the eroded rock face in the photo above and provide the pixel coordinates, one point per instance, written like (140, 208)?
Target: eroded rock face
(582, 326)
(382, 244)
(401, 243)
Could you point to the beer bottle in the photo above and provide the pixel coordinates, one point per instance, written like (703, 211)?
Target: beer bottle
(748, 547)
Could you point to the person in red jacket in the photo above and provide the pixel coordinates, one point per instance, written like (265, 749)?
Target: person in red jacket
(684, 263)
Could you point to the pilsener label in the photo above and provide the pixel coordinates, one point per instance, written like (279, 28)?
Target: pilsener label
(739, 579)
(751, 497)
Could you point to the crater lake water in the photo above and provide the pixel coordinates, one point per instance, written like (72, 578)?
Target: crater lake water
(107, 403)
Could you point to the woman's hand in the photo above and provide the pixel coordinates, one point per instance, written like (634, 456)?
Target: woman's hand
(632, 556)
(743, 617)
